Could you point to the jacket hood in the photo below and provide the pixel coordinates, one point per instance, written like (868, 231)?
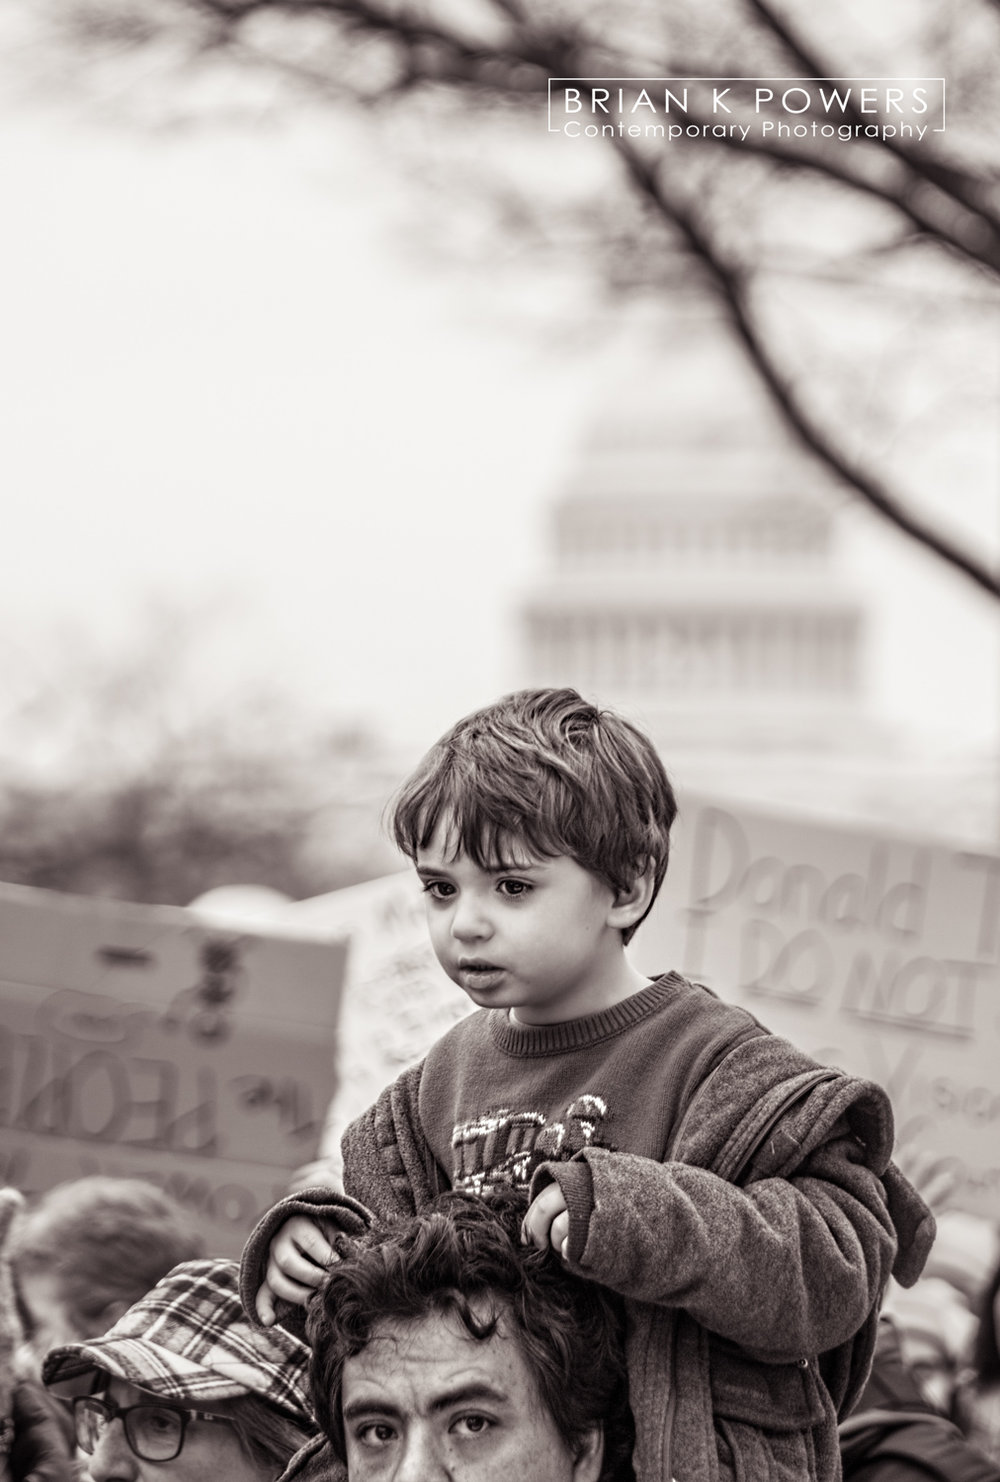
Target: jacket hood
(784, 1106)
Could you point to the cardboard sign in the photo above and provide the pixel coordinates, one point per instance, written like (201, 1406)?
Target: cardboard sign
(877, 953)
(138, 1041)
(397, 1000)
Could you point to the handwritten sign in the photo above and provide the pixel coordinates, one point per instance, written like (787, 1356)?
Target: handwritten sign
(397, 1000)
(875, 952)
(138, 1041)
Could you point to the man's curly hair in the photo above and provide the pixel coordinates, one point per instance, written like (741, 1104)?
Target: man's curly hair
(463, 1257)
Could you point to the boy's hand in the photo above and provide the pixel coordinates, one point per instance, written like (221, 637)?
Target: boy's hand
(297, 1262)
(547, 1221)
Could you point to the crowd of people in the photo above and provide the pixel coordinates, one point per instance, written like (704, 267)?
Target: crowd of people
(439, 1346)
(609, 1230)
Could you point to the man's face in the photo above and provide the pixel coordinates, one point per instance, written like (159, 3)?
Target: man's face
(533, 935)
(427, 1402)
(210, 1450)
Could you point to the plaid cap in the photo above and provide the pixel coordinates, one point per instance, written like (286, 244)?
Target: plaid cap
(189, 1340)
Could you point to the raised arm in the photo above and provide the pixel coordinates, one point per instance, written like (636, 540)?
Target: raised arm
(388, 1165)
(785, 1267)
(290, 1248)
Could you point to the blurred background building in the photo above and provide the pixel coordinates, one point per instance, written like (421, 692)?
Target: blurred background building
(695, 577)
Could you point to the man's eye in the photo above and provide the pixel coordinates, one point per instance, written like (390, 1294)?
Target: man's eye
(473, 1425)
(159, 1422)
(514, 888)
(376, 1433)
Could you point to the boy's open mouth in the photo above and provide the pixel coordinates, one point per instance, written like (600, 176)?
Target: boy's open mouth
(475, 969)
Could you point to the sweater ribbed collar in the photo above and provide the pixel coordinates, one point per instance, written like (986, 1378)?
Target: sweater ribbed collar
(576, 1034)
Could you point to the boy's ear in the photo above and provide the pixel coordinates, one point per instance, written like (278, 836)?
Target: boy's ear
(632, 904)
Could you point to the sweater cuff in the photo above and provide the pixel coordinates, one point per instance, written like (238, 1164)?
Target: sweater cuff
(577, 1185)
(317, 1204)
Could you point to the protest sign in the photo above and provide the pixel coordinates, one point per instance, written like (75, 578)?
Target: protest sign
(396, 1001)
(876, 952)
(143, 1042)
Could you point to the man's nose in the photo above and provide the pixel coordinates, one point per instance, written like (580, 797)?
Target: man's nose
(421, 1460)
(113, 1459)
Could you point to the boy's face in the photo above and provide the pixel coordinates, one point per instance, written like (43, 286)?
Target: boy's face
(534, 935)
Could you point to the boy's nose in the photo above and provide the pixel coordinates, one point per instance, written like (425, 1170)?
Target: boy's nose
(469, 922)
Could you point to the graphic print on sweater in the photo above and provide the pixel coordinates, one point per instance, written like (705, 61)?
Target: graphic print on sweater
(502, 1148)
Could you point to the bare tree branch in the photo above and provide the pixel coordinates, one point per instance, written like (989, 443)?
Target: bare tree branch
(945, 202)
(784, 395)
(951, 181)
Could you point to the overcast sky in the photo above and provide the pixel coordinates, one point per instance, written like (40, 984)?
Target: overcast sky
(228, 382)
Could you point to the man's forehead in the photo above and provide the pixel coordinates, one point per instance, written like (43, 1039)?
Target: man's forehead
(415, 1363)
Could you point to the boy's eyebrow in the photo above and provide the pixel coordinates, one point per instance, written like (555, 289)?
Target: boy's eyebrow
(499, 867)
(504, 866)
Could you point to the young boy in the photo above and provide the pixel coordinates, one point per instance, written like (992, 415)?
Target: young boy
(739, 1196)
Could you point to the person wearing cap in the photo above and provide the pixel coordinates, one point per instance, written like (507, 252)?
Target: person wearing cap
(183, 1389)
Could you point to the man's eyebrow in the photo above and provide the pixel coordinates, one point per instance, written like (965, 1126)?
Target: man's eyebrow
(357, 1408)
(465, 1394)
(461, 1394)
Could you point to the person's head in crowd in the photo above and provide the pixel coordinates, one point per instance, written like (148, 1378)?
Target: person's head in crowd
(986, 1344)
(934, 1326)
(183, 1389)
(90, 1248)
(443, 1348)
(965, 1252)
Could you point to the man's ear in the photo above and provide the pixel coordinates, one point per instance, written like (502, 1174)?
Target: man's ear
(631, 905)
(590, 1457)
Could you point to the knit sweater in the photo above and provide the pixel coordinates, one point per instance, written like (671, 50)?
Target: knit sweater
(497, 1098)
(739, 1197)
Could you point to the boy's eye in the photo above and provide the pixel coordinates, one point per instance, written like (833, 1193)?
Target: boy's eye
(514, 888)
(439, 890)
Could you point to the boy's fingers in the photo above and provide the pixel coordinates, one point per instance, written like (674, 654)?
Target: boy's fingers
(264, 1304)
(297, 1268)
(542, 1210)
(305, 1236)
(289, 1290)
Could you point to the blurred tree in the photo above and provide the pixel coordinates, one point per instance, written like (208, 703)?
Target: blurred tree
(722, 216)
(117, 779)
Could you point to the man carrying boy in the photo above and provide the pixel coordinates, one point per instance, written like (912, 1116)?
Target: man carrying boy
(444, 1350)
(739, 1196)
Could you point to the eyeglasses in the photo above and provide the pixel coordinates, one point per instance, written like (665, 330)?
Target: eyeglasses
(153, 1432)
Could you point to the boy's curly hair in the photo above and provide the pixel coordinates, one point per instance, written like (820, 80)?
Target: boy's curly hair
(463, 1257)
(545, 768)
